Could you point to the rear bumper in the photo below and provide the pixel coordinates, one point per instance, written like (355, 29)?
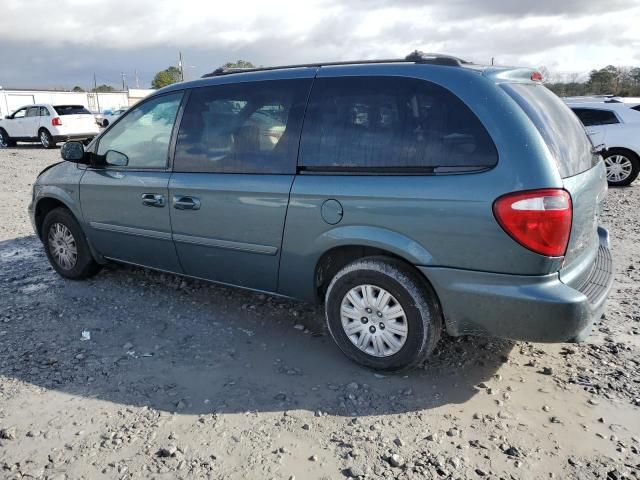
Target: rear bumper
(74, 136)
(533, 308)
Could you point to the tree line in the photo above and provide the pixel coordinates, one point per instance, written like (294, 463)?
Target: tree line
(610, 80)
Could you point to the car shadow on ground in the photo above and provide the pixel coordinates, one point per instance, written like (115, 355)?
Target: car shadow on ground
(182, 345)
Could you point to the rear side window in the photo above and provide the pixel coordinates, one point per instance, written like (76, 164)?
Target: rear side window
(391, 124)
(33, 112)
(71, 110)
(590, 117)
(44, 112)
(559, 127)
(249, 127)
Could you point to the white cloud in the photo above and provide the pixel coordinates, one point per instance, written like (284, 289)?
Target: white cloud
(568, 35)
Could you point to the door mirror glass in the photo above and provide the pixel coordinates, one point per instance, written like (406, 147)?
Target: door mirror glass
(116, 159)
(72, 152)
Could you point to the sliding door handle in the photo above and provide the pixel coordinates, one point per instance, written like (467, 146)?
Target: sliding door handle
(186, 203)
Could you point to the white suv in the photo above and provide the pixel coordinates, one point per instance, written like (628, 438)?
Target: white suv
(616, 126)
(47, 124)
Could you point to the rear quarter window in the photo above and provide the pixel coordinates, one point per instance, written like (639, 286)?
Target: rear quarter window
(558, 125)
(591, 117)
(71, 110)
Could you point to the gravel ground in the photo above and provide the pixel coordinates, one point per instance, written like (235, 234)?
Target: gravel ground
(183, 379)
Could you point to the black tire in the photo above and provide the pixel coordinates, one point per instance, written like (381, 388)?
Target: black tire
(85, 266)
(46, 139)
(105, 123)
(627, 155)
(5, 139)
(412, 292)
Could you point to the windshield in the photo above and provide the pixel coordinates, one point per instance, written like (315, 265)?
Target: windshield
(558, 125)
(71, 110)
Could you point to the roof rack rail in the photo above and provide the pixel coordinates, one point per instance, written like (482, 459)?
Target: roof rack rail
(414, 57)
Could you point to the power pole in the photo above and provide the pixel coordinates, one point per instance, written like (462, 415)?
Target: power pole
(123, 87)
(492, 60)
(137, 82)
(181, 66)
(95, 91)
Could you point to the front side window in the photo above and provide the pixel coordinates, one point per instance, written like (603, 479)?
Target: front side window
(249, 127)
(143, 135)
(20, 113)
(590, 117)
(391, 123)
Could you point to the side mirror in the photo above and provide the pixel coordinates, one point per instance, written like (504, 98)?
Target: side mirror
(8, 117)
(73, 152)
(116, 159)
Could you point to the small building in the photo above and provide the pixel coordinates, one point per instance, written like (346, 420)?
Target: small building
(11, 99)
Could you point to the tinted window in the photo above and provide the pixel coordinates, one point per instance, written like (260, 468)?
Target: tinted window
(143, 135)
(242, 128)
(558, 126)
(636, 108)
(590, 117)
(44, 112)
(71, 110)
(33, 112)
(391, 123)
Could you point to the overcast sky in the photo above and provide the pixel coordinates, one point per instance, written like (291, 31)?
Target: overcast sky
(62, 43)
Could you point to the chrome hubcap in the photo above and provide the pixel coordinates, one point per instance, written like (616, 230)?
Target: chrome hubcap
(44, 139)
(62, 246)
(618, 168)
(374, 320)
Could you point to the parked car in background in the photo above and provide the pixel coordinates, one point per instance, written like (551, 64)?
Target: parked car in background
(48, 124)
(616, 126)
(411, 197)
(110, 116)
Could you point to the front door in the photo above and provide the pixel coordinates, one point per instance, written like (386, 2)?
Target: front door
(126, 202)
(15, 124)
(234, 164)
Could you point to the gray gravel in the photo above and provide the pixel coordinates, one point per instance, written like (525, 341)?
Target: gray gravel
(183, 379)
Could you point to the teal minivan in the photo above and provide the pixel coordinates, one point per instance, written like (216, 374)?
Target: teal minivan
(413, 197)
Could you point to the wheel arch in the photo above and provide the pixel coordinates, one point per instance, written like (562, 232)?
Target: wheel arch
(43, 207)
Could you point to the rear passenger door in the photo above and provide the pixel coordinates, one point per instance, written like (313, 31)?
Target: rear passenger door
(371, 152)
(596, 123)
(234, 163)
(32, 122)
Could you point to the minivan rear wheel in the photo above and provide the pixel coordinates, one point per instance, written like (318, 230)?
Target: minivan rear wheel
(622, 167)
(66, 246)
(382, 314)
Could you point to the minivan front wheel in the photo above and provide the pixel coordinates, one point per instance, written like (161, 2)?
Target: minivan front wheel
(66, 246)
(382, 314)
(622, 167)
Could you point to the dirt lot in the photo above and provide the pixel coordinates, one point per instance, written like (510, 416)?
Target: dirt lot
(183, 379)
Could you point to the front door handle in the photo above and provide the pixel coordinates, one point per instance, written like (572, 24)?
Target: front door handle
(153, 200)
(186, 203)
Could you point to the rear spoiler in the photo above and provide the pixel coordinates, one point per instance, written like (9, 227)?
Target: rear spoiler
(512, 74)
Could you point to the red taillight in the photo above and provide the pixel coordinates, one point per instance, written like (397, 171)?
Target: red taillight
(540, 220)
(56, 122)
(536, 76)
